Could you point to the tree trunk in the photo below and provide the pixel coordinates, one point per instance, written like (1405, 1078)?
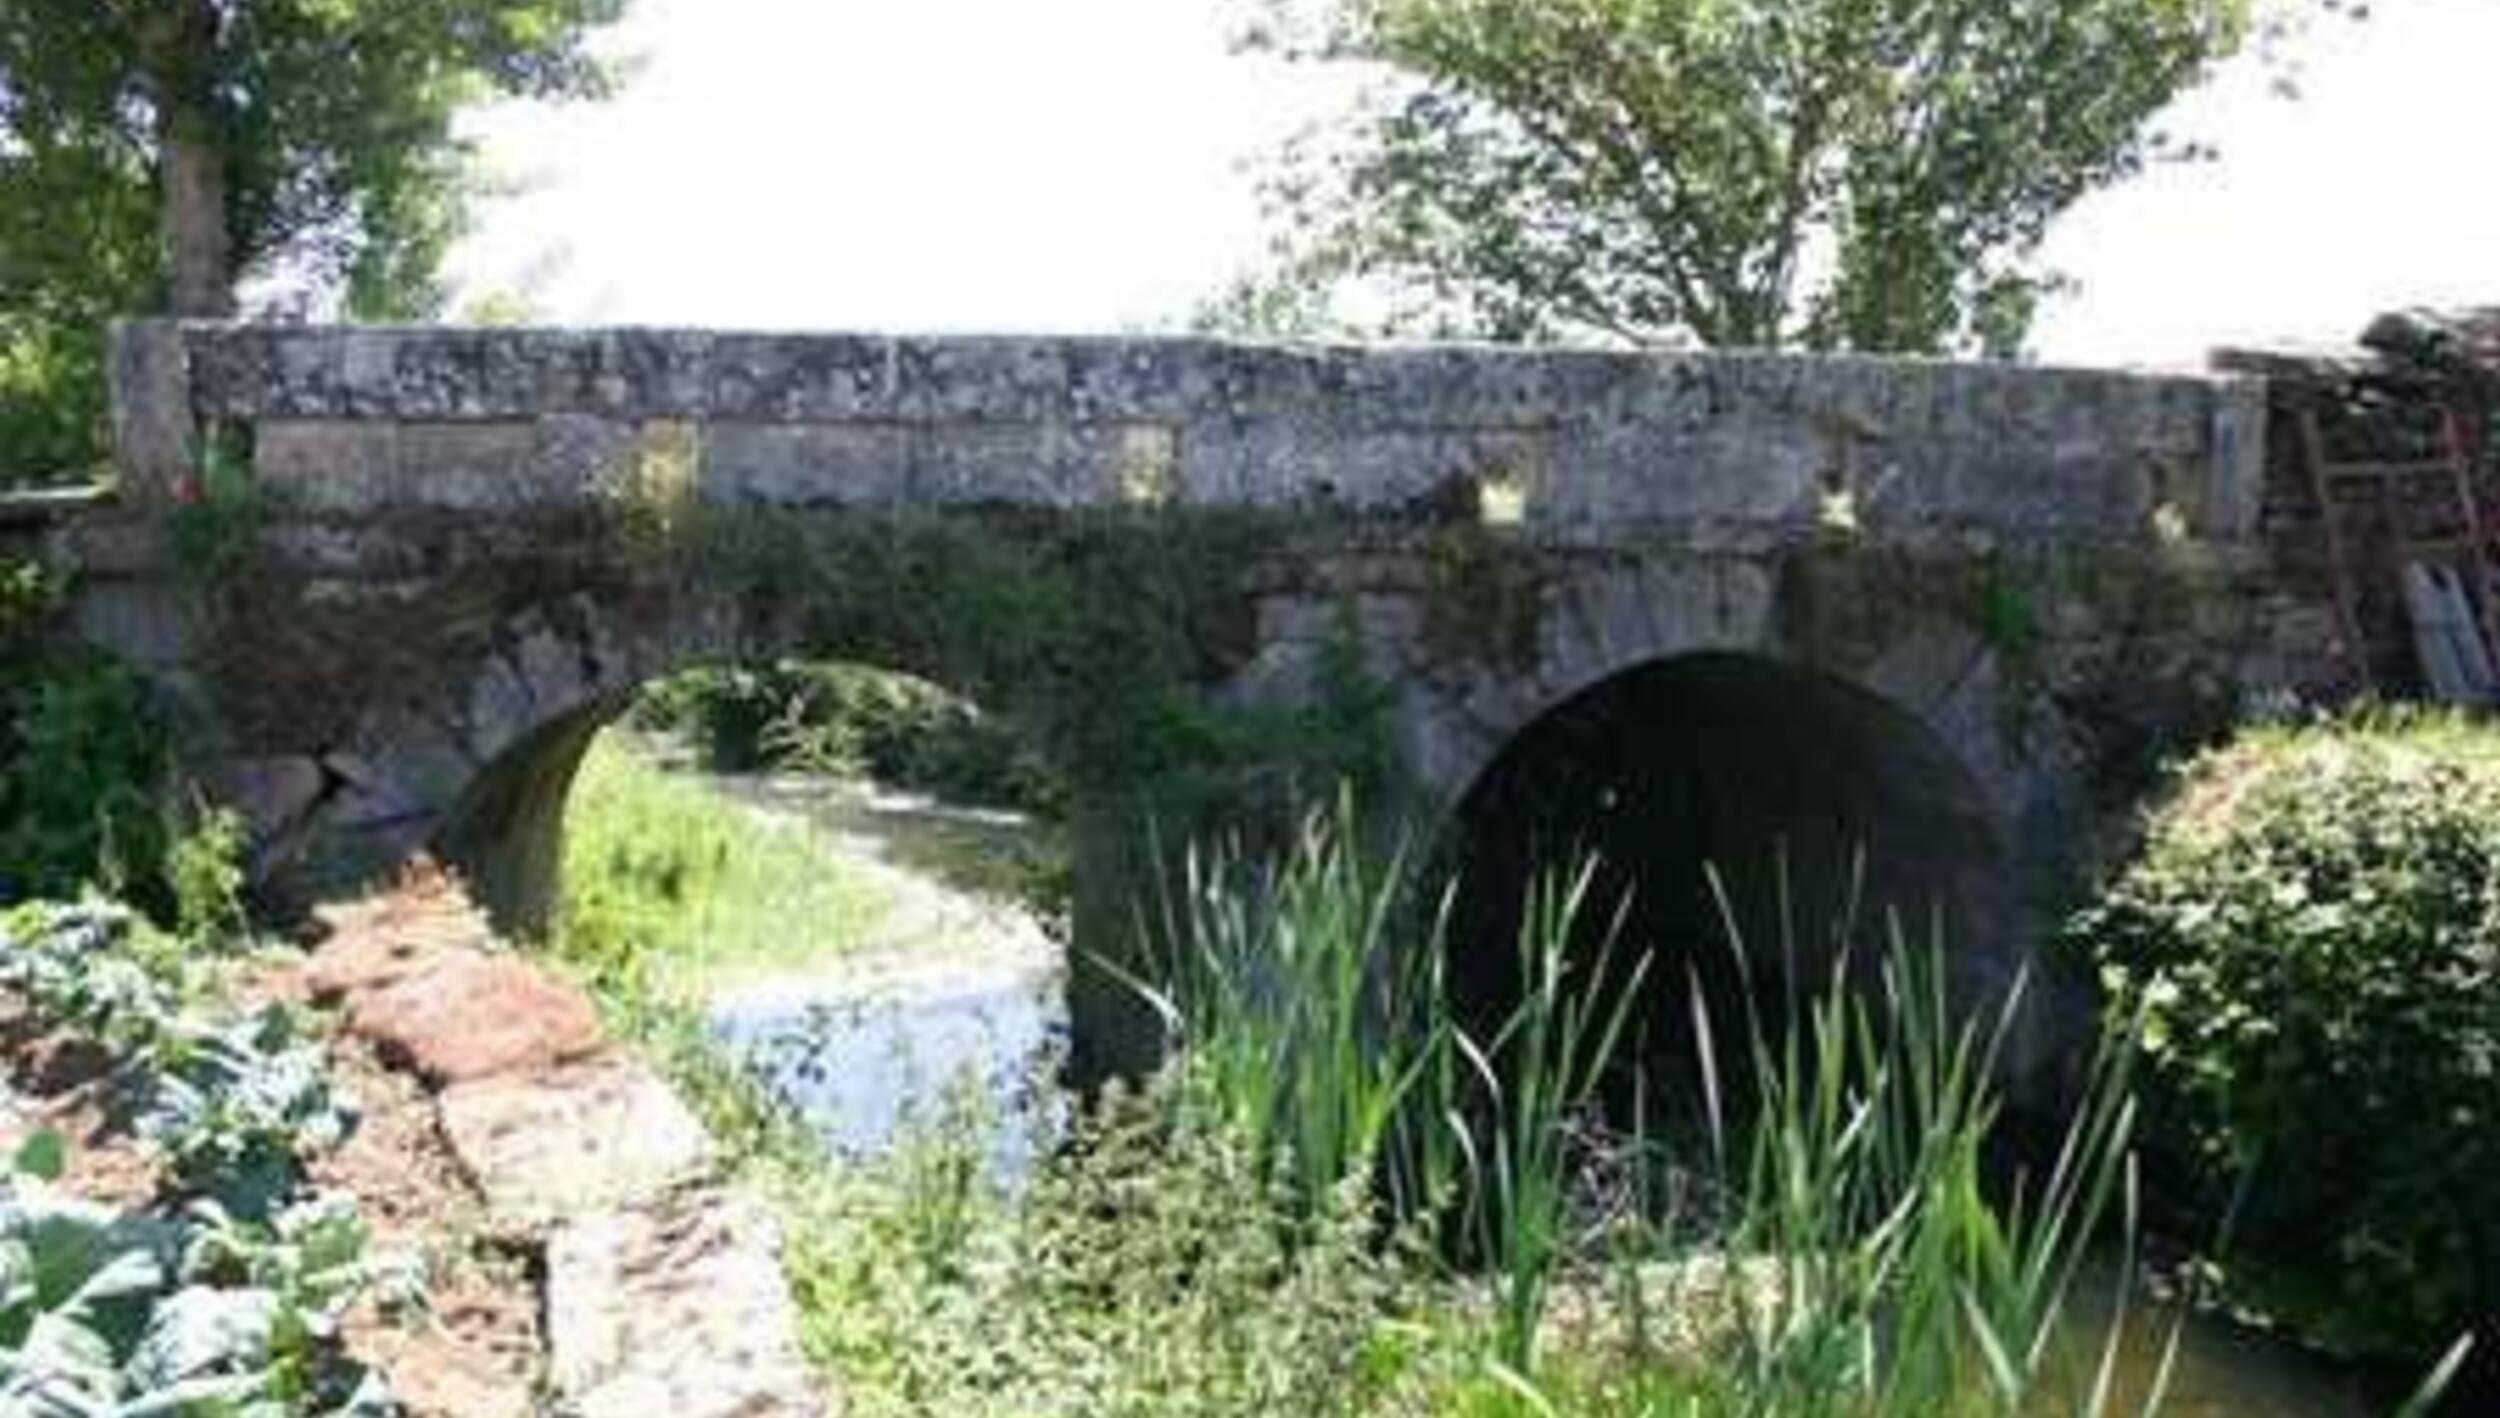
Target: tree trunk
(179, 50)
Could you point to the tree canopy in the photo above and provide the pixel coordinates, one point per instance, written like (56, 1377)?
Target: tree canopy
(157, 154)
(1830, 174)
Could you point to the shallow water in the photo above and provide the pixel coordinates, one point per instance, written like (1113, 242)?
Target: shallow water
(2223, 1370)
(958, 1001)
(864, 1063)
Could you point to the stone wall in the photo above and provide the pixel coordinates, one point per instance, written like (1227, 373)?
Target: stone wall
(366, 420)
(455, 568)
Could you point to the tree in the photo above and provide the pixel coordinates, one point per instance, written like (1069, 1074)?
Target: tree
(155, 155)
(1833, 174)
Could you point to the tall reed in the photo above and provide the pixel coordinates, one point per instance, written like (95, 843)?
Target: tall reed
(1314, 1028)
(1867, 1262)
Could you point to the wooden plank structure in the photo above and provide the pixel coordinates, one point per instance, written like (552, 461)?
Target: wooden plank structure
(2394, 527)
(2384, 468)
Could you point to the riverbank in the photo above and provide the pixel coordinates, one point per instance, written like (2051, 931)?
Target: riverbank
(927, 1282)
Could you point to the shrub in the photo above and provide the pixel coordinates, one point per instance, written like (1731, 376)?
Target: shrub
(2311, 936)
(1149, 1268)
(853, 719)
(82, 758)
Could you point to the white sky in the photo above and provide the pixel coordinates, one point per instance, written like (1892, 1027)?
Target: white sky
(1017, 165)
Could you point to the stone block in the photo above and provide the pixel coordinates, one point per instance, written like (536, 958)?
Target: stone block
(542, 1148)
(273, 794)
(1287, 463)
(674, 1310)
(154, 426)
(469, 1016)
(329, 465)
(1031, 465)
(146, 622)
(561, 458)
(806, 464)
(824, 379)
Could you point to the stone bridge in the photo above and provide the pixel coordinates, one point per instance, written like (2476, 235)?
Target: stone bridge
(1939, 618)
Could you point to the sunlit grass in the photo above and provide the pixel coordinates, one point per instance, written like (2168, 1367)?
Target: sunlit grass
(683, 893)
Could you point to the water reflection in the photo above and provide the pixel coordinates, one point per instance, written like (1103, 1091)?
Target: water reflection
(863, 1063)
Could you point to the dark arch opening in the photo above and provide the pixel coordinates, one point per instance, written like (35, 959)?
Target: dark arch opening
(1827, 812)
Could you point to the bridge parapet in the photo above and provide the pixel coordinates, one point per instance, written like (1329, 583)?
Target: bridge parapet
(1570, 443)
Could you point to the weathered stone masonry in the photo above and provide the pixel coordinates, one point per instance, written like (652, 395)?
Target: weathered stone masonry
(2053, 574)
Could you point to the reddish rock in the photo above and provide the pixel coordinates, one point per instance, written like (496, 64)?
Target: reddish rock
(468, 1016)
(377, 942)
(366, 959)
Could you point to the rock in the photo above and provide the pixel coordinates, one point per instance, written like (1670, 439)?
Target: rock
(469, 1015)
(548, 1146)
(273, 794)
(353, 962)
(433, 1378)
(674, 1310)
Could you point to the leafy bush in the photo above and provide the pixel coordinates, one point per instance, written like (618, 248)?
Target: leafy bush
(104, 1312)
(81, 756)
(234, 1107)
(94, 967)
(231, 1304)
(1150, 1269)
(2311, 936)
(81, 760)
(852, 719)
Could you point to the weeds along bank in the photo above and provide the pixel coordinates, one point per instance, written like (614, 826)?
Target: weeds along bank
(1334, 1203)
(83, 758)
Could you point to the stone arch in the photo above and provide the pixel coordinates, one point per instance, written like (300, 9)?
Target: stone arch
(532, 709)
(1921, 719)
(1457, 717)
(1826, 811)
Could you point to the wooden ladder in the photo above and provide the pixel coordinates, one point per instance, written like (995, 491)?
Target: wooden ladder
(2429, 512)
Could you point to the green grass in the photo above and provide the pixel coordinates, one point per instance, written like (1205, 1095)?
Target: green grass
(671, 891)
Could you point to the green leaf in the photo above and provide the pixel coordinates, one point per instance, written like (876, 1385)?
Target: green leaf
(43, 1155)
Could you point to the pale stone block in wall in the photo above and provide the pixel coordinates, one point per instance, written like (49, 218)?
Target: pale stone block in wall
(1282, 462)
(329, 465)
(153, 425)
(467, 465)
(805, 464)
(562, 458)
(1036, 465)
(1610, 475)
